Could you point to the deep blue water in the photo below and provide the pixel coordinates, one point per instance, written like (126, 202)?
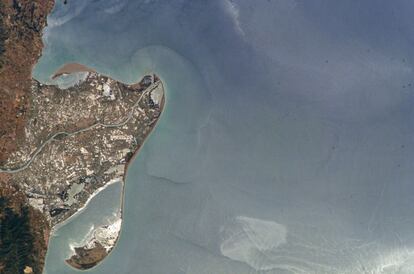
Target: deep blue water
(286, 145)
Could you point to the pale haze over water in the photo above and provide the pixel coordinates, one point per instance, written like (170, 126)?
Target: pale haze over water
(286, 144)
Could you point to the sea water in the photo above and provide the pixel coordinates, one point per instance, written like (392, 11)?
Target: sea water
(286, 144)
(77, 230)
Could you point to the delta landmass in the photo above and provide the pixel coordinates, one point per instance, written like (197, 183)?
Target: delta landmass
(59, 147)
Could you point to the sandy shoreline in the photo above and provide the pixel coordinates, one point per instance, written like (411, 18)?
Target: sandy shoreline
(96, 192)
(136, 152)
(71, 68)
(74, 68)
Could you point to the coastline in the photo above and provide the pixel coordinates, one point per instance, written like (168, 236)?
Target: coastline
(123, 182)
(71, 68)
(136, 152)
(104, 88)
(74, 68)
(80, 210)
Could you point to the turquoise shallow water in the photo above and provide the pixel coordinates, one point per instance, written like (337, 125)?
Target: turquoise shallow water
(100, 211)
(286, 144)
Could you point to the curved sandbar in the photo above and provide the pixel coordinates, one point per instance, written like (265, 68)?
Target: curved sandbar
(71, 68)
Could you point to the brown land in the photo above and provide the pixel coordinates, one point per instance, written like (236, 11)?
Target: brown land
(21, 25)
(86, 258)
(23, 22)
(58, 146)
